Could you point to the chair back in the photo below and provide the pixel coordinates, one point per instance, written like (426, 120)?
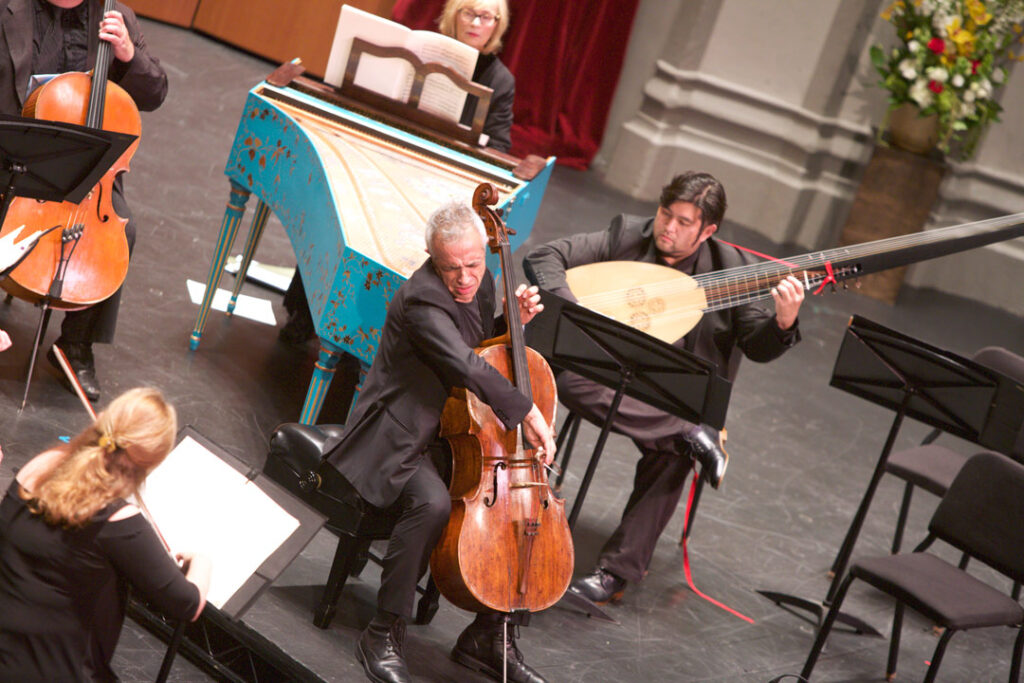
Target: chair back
(1011, 365)
(982, 514)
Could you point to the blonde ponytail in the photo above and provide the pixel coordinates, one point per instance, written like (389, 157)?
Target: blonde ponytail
(108, 460)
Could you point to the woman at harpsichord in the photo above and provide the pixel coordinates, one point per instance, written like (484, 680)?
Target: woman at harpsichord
(70, 544)
(482, 24)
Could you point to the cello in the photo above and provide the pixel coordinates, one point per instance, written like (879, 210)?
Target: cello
(86, 260)
(507, 546)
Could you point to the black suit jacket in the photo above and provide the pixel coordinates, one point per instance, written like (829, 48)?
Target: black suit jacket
(498, 125)
(421, 357)
(143, 77)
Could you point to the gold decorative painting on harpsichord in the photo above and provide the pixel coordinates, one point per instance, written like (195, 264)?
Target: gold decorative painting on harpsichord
(383, 189)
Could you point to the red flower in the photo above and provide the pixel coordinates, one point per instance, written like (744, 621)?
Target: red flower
(935, 87)
(937, 45)
(974, 67)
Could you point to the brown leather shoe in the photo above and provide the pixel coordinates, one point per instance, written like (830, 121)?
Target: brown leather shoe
(599, 586)
(480, 647)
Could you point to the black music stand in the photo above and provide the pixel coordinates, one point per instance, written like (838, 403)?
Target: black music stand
(931, 385)
(55, 162)
(633, 363)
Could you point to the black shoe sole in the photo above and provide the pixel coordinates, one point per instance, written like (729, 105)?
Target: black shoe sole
(361, 658)
(475, 664)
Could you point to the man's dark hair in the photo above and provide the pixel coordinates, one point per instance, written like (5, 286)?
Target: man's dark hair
(700, 189)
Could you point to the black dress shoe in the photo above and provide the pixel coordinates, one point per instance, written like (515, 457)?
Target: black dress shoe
(599, 586)
(83, 364)
(379, 650)
(483, 647)
(713, 460)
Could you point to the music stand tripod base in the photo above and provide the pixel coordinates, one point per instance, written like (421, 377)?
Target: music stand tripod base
(819, 609)
(577, 601)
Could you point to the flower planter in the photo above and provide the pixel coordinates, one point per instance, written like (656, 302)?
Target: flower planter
(912, 132)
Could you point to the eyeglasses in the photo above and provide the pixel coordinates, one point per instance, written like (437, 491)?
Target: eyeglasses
(469, 16)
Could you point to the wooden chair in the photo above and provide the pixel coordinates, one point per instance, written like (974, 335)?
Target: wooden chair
(982, 515)
(294, 461)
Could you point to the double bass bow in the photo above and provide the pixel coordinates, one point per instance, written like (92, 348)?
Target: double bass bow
(507, 546)
(86, 260)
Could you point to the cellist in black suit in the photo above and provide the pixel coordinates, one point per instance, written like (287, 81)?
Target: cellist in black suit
(434, 322)
(58, 36)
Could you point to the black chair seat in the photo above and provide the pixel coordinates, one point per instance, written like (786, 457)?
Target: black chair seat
(295, 460)
(931, 467)
(939, 590)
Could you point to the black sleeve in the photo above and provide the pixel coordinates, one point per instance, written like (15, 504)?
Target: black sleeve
(437, 341)
(546, 264)
(143, 77)
(498, 124)
(137, 554)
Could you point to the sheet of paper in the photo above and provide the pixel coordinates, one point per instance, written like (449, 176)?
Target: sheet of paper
(440, 95)
(385, 76)
(275, 277)
(250, 307)
(199, 503)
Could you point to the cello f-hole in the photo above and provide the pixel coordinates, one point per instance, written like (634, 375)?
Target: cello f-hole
(488, 502)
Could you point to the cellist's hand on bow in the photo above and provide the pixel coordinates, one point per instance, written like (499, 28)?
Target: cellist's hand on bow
(113, 30)
(529, 302)
(538, 432)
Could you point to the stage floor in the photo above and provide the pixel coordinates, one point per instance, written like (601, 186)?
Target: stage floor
(801, 452)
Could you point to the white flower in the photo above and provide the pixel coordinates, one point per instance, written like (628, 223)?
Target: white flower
(920, 93)
(999, 75)
(968, 109)
(969, 94)
(907, 70)
(958, 81)
(937, 74)
(914, 47)
(927, 6)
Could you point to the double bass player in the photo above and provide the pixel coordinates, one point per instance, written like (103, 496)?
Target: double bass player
(434, 322)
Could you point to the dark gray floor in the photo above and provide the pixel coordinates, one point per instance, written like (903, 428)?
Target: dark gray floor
(801, 451)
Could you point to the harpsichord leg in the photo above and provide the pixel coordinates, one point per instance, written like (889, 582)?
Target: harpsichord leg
(259, 222)
(228, 229)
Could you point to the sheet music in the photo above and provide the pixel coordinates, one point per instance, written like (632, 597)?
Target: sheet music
(440, 96)
(394, 77)
(199, 503)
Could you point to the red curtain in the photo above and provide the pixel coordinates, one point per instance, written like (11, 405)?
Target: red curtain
(566, 56)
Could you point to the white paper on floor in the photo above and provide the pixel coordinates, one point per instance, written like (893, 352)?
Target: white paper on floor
(249, 307)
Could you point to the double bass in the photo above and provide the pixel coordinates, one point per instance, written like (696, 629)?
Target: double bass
(507, 546)
(87, 257)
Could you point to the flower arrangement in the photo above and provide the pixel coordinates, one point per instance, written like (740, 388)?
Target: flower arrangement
(950, 57)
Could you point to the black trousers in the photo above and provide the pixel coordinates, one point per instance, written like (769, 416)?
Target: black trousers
(97, 323)
(658, 481)
(424, 506)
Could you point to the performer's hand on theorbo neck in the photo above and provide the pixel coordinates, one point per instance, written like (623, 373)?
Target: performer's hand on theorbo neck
(538, 433)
